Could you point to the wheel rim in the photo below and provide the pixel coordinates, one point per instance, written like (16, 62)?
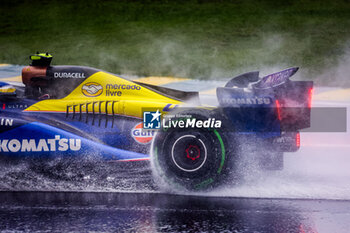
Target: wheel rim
(189, 153)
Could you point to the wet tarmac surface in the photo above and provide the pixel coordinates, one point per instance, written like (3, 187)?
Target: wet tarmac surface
(155, 212)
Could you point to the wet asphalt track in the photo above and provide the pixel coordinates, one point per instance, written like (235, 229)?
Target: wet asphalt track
(130, 212)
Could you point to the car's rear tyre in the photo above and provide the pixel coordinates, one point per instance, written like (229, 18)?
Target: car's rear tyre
(192, 159)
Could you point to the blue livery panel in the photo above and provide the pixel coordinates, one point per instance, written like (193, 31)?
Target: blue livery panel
(41, 140)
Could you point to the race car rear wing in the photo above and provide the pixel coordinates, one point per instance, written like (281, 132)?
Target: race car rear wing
(252, 80)
(289, 101)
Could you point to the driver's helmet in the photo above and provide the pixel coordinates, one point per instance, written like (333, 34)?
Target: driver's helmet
(41, 59)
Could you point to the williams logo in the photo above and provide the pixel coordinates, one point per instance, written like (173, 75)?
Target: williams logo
(92, 89)
(151, 120)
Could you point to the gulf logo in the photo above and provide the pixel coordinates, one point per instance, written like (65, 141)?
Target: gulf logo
(141, 135)
(92, 89)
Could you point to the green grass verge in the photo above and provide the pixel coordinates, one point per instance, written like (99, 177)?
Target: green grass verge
(196, 39)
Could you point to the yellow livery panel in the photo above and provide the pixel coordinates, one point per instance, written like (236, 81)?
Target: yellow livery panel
(105, 93)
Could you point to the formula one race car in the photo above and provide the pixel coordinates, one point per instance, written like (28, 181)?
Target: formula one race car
(77, 111)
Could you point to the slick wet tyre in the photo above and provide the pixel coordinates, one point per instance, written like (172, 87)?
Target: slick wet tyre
(191, 159)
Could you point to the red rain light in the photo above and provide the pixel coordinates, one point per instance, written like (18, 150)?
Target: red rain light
(297, 140)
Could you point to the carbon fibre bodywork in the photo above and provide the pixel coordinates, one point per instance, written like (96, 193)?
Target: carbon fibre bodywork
(74, 110)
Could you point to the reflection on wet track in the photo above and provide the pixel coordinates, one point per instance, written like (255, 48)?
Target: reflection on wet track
(130, 212)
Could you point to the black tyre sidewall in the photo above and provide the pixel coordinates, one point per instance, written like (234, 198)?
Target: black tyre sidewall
(206, 176)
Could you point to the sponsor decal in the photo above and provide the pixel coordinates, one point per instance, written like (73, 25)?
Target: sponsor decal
(151, 120)
(6, 122)
(92, 89)
(283, 140)
(142, 136)
(68, 75)
(114, 89)
(123, 87)
(248, 101)
(286, 138)
(113, 93)
(15, 106)
(32, 145)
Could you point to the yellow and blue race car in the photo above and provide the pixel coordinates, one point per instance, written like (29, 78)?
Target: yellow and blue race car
(75, 111)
